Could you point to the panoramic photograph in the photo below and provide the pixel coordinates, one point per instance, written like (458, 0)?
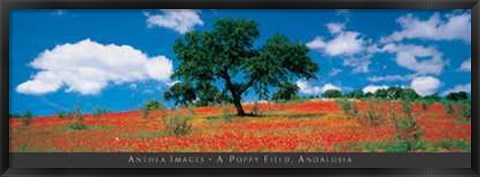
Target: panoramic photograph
(224, 80)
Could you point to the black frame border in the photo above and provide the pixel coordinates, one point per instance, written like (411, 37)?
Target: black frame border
(7, 5)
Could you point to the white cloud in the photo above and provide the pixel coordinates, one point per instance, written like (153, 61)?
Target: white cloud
(351, 46)
(466, 65)
(390, 78)
(87, 67)
(335, 28)
(373, 88)
(425, 85)
(344, 43)
(180, 20)
(455, 26)
(330, 87)
(423, 60)
(306, 88)
(358, 64)
(466, 88)
(334, 72)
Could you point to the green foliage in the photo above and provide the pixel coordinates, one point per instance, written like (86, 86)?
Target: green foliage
(228, 54)
(182, 93)
(409, 94)
(373, 117)
(461, 108)
(381, 93)
(448, 107)
(454, 145)
(349, 108)
(26, 118)
(149, 106)
(14, 115)
(286, 91)
(408, 133)
(145, 111)
(356, 94)
(432, 98)
(154, 105)
(332, 93)
(178, 124)
(77, 123)
(466, 110)
(457, 96)
(397, 93)
(227, 115)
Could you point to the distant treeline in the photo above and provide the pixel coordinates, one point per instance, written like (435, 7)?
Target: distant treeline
(393, 93)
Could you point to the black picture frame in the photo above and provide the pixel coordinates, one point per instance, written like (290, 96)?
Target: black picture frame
(7, 5)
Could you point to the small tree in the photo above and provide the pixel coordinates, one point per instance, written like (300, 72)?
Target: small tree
(332, 93)
(77, 123)
(286, 91)
(27, 118)
(357, 94)
(150, 106)
(381, 93)
(409, 94)
(457, 96)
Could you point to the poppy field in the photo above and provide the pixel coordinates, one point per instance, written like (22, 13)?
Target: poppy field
(314, 125)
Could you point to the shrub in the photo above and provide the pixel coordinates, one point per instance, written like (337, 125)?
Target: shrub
(27, 118)
(154, 105)
(349, 108)
(145, 111)
(63, 114)
(286, 91)
(372, 115)
(332, 93)
(448, 106)
(178, 124)
(408, 133)
(77, 123)
(457, 96)
(150, 106)
(465, 110)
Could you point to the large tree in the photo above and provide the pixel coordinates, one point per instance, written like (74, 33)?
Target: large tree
(228, 59)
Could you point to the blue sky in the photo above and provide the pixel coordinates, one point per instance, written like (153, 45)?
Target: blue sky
(118, 59)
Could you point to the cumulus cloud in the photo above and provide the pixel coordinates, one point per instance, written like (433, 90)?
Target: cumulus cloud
(466, 88)
(180, 20)
(425, 85)
(87, 67)
(466, 65)
(306, 88)
(455, 26)
(373, 88)
(349, 45)
(344, 43)
(423, 60)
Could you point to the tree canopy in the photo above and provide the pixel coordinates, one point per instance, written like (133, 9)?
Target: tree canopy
(225, 61)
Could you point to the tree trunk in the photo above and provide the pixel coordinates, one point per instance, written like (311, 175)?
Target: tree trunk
(238, 105)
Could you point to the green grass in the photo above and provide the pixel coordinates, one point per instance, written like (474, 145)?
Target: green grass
(152, 135)
(422, 146)
(79, 127)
